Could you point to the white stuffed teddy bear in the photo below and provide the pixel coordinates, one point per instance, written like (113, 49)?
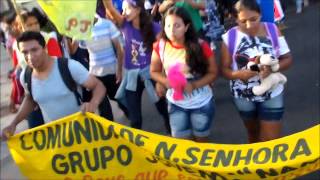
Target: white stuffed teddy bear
(270, 81)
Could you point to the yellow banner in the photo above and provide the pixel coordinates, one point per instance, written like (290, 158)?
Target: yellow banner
(73, 18)
(90, 147)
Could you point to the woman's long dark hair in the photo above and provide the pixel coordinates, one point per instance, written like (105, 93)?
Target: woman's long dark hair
(146, 26)
(195, 58)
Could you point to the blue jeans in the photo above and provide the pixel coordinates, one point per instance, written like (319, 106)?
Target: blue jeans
(186, 123)
(269, 110)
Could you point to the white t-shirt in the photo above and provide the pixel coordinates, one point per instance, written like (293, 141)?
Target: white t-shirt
(247, 48)
(52, 95)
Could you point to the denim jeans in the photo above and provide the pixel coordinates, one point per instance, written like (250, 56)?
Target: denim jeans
(269, 110)
(186, 123)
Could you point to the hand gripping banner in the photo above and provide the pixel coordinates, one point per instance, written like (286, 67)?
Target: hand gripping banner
(90, 147)
(73, 18)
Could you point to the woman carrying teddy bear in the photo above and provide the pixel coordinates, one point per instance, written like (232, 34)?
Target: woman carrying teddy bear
(242, 44)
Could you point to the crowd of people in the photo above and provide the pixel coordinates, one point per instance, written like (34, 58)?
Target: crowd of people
(164, 47)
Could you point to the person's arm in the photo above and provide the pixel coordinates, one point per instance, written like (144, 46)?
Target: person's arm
(98, 93)
(73, 45)
(156, 70)
(155, 9)
(113, 12)
(200, 4)
(165, 5)
(120, 56)
(285, 60)
(208, 78)
(227, 72)
(26, 108)
(10, 51)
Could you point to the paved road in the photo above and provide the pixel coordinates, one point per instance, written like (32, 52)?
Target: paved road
(301, 96)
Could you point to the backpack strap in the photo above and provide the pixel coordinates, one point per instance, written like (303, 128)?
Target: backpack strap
(232, 37)
(28, 79)
(68, 79)
(272, 31)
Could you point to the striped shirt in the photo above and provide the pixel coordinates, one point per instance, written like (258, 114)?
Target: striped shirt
(101, 51)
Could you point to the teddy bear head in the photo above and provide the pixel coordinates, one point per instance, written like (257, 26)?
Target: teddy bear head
(268, 59)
